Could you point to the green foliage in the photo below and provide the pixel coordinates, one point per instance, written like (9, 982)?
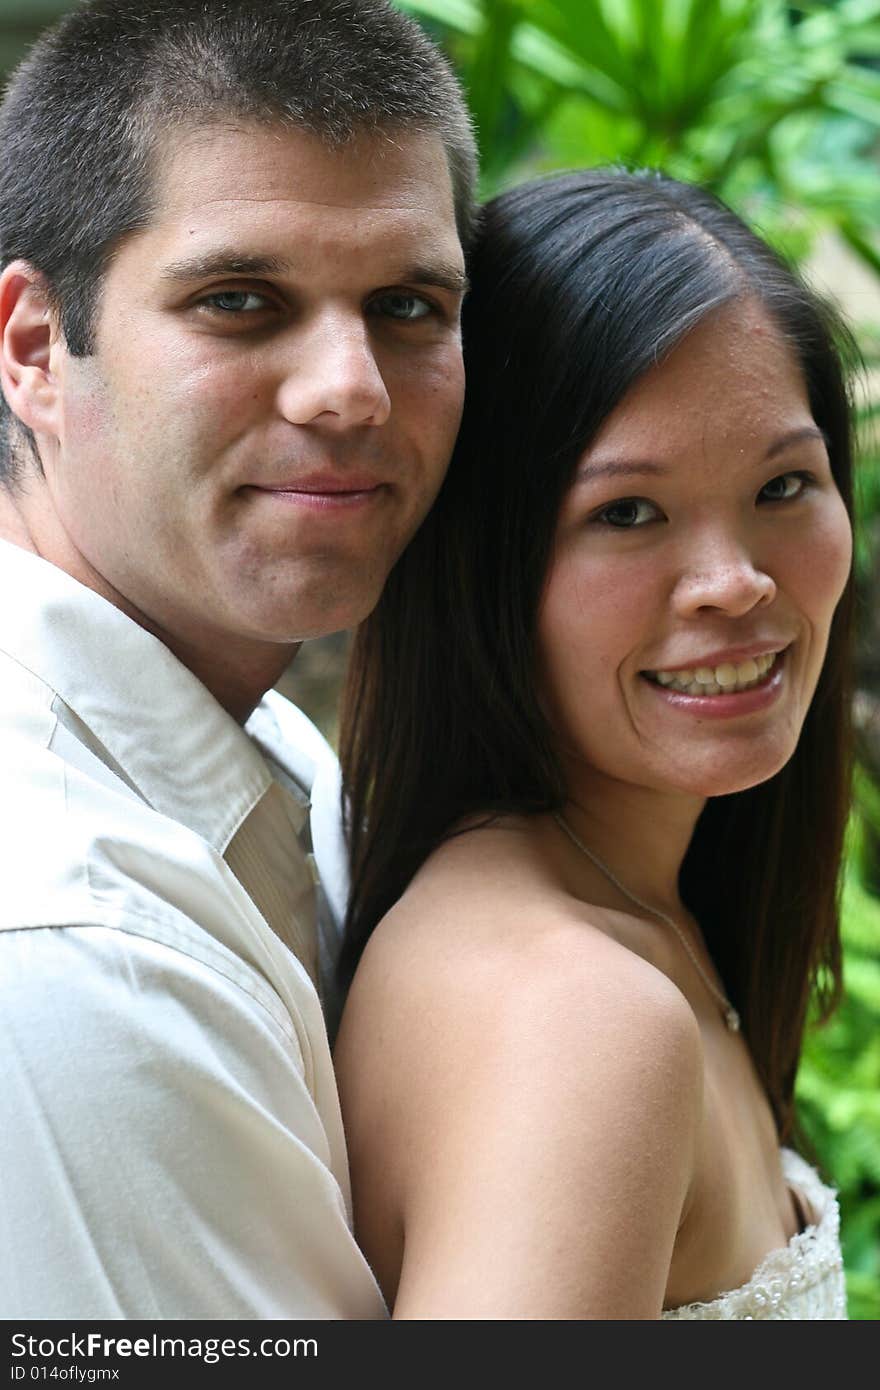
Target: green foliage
(867, 489)
(776, 107)
(839, 1092)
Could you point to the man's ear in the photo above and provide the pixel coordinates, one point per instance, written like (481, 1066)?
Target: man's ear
(27, 330)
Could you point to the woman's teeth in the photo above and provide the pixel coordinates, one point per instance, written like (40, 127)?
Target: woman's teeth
(727, 679)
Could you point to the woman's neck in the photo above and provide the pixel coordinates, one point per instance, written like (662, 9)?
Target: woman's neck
(641, 834)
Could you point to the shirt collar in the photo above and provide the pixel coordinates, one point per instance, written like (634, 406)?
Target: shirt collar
(186, 756)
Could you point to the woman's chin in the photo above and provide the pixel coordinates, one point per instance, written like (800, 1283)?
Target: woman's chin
(727, 781)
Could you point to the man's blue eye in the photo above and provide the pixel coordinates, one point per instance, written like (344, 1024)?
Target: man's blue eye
(235, 301)
(403, 306)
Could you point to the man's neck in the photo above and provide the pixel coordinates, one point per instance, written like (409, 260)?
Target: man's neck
(236, 674)
(13, 527)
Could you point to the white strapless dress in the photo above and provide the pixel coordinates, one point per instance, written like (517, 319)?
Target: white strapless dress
(801, 1282)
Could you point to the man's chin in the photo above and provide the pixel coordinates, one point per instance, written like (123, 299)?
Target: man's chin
(306, 622)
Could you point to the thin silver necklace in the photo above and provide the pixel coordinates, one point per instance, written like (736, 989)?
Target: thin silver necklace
(728, 1012)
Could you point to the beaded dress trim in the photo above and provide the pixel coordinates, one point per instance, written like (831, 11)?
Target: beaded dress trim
(802, 1281)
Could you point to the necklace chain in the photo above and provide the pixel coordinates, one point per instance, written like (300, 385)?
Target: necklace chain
(729, 1013)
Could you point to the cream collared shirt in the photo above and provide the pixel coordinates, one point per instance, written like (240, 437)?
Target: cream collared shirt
(170, 1137)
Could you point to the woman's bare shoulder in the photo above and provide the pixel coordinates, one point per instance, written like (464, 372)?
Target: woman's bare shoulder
(497, 1041)
(488, 898)
(482, 877)
(486, 938)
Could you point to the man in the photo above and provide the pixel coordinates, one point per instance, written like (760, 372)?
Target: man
(232, 269)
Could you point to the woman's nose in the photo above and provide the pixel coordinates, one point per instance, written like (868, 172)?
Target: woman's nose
(724, 577)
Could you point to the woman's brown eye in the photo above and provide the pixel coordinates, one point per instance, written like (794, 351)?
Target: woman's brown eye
(627, 513)
(782, 488)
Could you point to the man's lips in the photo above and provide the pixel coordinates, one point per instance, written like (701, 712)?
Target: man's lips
(322, 491)
(323, 484)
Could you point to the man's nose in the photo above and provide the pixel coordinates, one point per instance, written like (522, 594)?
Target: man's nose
(334, 379)
(722, 576)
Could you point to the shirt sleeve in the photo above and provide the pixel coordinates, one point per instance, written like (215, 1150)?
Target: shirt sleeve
(162, 1156)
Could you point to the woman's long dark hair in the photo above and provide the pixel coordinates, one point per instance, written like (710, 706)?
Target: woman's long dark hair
(581, 283)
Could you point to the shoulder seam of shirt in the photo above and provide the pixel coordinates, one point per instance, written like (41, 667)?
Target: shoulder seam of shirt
(280, 1016)
(16, 659)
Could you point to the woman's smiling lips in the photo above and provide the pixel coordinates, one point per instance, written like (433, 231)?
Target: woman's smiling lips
(724, 684)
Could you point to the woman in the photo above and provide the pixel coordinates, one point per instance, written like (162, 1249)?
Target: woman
(597, 748)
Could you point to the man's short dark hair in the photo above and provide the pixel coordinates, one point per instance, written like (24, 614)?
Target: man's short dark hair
(84, 118)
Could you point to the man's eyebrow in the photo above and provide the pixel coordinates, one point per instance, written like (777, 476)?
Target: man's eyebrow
(632, 467)
(440, 273)
(794, 437)
(214, 263)
(444, 275)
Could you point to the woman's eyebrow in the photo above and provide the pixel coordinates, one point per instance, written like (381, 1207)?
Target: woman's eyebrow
(795, 437)
(590, 469)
